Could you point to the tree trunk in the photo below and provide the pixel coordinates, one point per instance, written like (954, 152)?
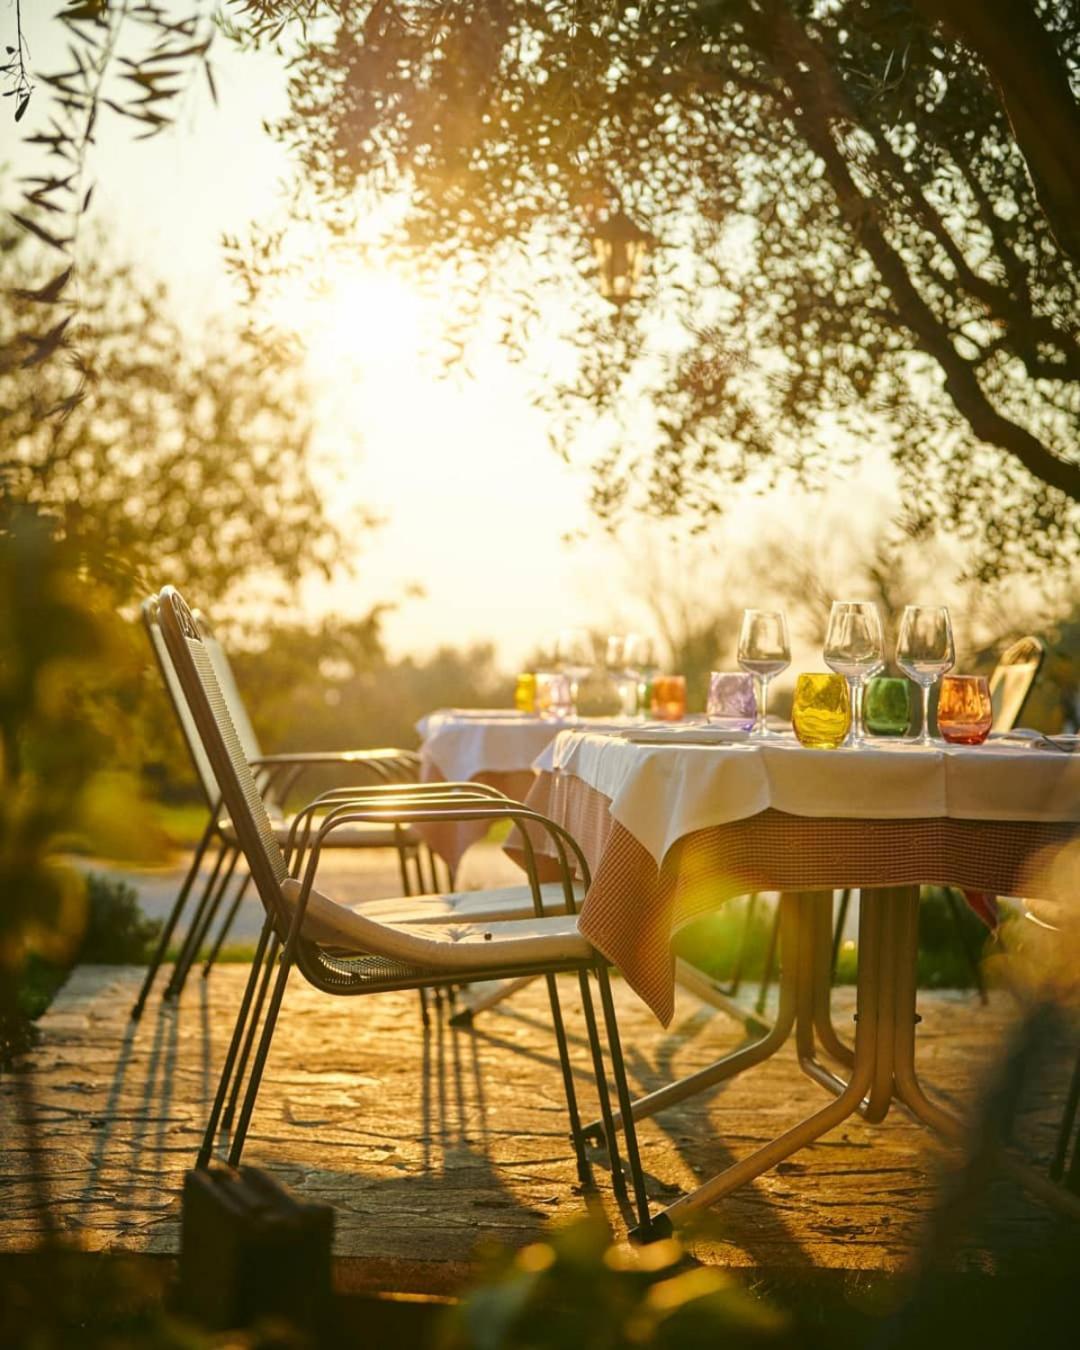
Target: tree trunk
(1034, 89)
(818, 97)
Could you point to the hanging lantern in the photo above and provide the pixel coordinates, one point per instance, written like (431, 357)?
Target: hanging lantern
(619, 247)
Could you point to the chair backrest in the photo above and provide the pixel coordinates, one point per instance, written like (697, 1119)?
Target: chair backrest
(1012, 679)
(234, 700)
(188, 730)
(210, 714)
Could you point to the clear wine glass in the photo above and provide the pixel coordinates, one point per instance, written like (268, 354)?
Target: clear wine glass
(575, 655)
(764, 651)
(639, 659)
(855, 648)
(924, 652)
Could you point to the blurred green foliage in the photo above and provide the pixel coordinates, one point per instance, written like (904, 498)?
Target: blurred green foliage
(62, 648)
(577, 1290)
(182, 454)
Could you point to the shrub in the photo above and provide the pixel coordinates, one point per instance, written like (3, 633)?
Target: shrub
(117, 931)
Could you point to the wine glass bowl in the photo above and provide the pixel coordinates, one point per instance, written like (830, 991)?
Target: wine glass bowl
(552, 695)
(924, 652)
(855, 648)
(575, 655)
(639, 662)
(764, 651)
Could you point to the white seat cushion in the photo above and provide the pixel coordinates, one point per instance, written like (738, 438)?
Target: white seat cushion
(507, 902)
(452, 946)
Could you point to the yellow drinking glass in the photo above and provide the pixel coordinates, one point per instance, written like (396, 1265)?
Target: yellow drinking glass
(525, 692)
(821, 714)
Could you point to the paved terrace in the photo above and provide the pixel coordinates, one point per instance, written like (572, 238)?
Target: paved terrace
(428, 1143)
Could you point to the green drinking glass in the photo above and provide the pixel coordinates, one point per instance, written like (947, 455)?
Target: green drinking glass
(887, 706)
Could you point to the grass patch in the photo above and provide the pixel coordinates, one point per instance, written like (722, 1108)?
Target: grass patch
(182, 822)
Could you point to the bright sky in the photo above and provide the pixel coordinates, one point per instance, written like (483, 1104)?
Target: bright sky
(476, 503)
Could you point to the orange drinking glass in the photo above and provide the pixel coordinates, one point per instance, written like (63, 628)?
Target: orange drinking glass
(964, 714)
(669, 697)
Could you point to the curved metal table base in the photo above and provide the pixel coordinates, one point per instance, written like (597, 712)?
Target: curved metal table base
(882, 1063)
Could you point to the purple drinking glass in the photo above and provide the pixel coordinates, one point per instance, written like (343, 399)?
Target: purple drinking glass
(732, 703)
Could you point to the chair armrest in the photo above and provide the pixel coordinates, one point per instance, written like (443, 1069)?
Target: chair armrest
(337, 757)
(384, 796)
(278, 774)
(465, 811)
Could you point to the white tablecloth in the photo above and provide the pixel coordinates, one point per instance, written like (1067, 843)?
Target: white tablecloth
(662, 792)
(461, 743)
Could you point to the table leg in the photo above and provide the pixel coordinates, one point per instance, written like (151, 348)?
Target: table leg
(823, 971)
(829, 1116)
(745, 1057)
(810, 997)
(910, 1090)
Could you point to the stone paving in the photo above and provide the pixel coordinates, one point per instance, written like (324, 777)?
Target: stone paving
(430, 1142)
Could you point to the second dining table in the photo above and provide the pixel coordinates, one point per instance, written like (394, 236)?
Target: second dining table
(497, 747)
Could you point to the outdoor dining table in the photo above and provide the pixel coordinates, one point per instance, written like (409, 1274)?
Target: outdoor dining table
(674, 823)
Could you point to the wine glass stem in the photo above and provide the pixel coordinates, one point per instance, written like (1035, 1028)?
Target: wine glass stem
(763, 703)
(925, 738)
(855, 692)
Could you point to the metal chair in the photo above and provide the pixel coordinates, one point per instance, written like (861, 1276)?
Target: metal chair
(343, 951)
(277, 775)
(1012, 679)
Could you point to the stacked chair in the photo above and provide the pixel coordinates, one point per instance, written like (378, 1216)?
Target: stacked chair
(427, 942)
(277, 776)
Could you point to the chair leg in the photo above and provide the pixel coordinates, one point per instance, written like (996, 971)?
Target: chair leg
(197, 936)
(610, 1137)
(259, 1063)
(223, 931)
(435, 886)
(200, 909)
(249, 1039)
(584, 1172)
(770, 963)
(1068, 1119)
(174, 915)
(406, 886)
(838, 929)
(644, 1229)
(970, 954)
(207, 1149)
(421, 883)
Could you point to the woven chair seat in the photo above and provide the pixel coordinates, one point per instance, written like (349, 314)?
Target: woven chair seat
(454, 946)
(505, 902)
